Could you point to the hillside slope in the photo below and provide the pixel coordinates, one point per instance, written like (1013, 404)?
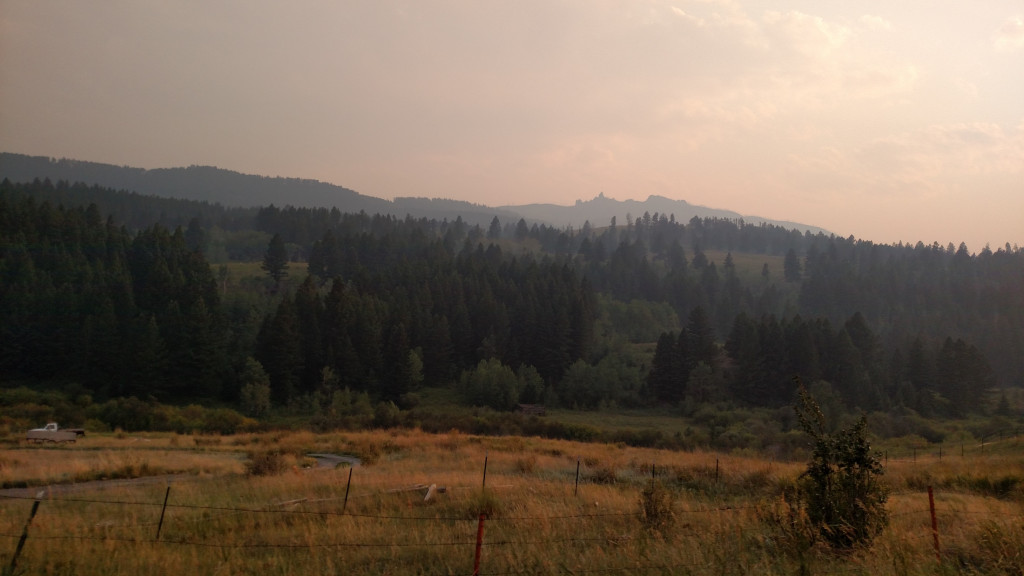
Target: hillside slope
(234, 189)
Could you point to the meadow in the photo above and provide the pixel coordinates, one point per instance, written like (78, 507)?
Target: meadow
(256, 503)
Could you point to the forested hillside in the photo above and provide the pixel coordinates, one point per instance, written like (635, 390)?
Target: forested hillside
(208, 184)
(237, 190)
(648, 312)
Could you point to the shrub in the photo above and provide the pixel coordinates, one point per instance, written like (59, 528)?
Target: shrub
(604, 475)
(526, 464)
(222, 421)
(130, 414)
(840, 489)
(266, 463)
(656, 506)
(483, 502)
(386, 415)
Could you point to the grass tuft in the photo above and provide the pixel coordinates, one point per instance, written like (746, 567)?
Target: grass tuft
(265, 463)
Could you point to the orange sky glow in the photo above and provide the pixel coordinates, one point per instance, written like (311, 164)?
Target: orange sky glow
(886, 121)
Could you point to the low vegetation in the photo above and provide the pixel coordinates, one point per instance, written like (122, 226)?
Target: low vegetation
(701, 512)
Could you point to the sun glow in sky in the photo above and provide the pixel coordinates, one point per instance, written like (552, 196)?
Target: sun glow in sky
(889, 121)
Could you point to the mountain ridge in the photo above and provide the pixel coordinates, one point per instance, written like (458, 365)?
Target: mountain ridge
(236, 189)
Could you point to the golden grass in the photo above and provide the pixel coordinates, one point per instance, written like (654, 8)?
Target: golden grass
(224, 522)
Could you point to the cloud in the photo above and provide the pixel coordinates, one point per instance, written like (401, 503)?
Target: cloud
(941, 160)
(811, 35)
(1009, 36)
(966, 86)
(699, 22)
(872, 22)
(943, 157)
(785, 66)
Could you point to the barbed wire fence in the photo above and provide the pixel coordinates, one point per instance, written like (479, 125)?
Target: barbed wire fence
(145, 527)
(953, 448)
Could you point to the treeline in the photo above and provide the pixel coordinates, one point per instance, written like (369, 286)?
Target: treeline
(400, 311)
(124, 314)
(903, 291)
(763, 361)
(509, 312)
(133, 210)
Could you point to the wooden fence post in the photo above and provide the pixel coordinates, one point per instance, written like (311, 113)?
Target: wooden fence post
(479, 543)
(577, 487)
(935, 524)
(484, 485)
(163, 511)
(24, 534)
(347, 486)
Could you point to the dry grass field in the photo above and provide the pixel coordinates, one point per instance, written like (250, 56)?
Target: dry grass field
(721, 514)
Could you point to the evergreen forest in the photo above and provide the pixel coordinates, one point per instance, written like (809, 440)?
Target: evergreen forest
(317, 314)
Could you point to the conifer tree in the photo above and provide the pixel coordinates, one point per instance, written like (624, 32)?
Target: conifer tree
(275, 260)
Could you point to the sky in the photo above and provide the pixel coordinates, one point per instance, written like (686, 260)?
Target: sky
(887, 121)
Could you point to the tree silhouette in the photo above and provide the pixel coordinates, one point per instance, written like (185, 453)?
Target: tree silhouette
(275, 261)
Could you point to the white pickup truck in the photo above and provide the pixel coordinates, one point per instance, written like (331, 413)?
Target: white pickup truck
(52, 433)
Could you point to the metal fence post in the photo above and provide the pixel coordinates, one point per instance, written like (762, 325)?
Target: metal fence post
(479, 543)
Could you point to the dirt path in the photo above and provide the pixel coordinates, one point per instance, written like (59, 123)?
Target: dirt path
(58, 489)
(333, 460)
(323, 461)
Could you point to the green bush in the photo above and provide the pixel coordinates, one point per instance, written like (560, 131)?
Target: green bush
(386, 415)
(222, 421)
(840, 490)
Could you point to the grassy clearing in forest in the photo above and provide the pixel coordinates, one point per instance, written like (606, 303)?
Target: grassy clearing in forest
(717, 519)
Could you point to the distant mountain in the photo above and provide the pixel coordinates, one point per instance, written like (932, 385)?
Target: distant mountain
(234, 189)
(204, 183)
(602, 209)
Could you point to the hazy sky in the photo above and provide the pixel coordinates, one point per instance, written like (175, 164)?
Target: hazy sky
(886, 120)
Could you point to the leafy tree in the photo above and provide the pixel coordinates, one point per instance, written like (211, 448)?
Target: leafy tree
(701, 387)
(255, 394)
(492, 384)
(530, 385)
